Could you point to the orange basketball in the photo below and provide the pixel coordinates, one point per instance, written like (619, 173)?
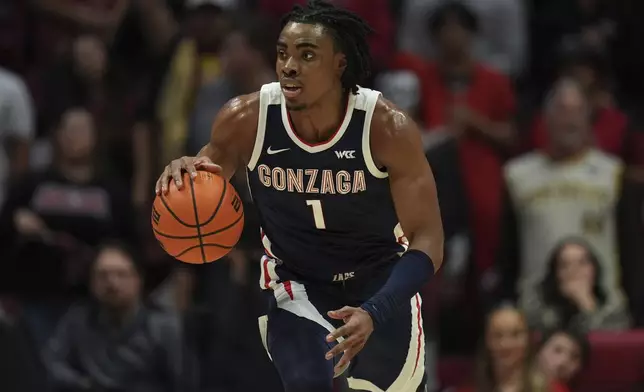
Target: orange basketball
(200, 223)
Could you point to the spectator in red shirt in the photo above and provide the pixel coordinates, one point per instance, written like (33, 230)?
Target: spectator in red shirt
(506, 362)
(476, 105)
(611, 129)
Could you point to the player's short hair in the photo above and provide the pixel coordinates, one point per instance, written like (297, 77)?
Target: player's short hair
(463, 14)
(349, 32)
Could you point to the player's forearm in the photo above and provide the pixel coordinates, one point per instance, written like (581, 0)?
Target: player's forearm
(429, 240)
(408, 276)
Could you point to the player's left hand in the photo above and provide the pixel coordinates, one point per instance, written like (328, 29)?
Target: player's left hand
(357, 328)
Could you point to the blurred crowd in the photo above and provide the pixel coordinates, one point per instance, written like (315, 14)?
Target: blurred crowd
(531, 112)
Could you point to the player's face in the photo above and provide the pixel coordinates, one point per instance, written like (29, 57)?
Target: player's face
(560, 358)
(507, 338)
(308, 66)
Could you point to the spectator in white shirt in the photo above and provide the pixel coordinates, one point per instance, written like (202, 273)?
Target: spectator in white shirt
(16, 128)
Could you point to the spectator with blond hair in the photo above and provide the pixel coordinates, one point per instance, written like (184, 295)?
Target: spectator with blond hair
(506, 361)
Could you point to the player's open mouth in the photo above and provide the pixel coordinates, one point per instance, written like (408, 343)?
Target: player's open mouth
(291, 90)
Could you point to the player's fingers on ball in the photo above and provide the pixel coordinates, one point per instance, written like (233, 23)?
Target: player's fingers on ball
(203, 159)
(189, 166)
(176, 173)
(162, 183)
(209, 167)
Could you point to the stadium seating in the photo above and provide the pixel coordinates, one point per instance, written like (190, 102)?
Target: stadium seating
(616, 365)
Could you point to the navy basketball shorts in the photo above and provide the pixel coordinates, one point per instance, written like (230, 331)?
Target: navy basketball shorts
(294, 334)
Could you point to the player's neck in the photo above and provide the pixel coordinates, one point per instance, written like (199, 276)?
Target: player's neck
(320, 121)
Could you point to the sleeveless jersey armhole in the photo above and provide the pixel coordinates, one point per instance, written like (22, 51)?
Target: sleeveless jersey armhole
(264, 101)
(370, 106)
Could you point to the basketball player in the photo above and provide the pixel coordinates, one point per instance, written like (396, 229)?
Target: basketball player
(336, 172)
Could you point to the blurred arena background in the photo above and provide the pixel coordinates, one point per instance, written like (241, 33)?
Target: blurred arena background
(544, 234)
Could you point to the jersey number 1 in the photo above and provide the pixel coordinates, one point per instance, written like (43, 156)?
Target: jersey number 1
(318, 216)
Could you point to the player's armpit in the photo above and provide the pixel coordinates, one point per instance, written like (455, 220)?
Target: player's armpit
(233, 134)
(396, 145)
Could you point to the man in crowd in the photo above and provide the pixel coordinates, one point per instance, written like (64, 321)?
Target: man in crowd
(571, 189)
(116, 343)
(55, 218)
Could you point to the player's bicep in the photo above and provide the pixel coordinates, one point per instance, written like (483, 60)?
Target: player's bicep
(412, 186)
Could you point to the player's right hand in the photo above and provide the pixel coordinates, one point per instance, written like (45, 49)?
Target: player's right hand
(174, 171)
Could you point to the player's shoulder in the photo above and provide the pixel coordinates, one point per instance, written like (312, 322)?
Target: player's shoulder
(389, 121)
(237, 120)
(241, 107)
(245, 108)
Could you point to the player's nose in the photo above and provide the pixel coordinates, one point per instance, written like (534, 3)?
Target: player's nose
(290, 68)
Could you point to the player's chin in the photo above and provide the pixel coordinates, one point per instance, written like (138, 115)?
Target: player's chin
(295, 105)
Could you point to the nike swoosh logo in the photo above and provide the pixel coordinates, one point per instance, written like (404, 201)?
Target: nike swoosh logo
(269, 151)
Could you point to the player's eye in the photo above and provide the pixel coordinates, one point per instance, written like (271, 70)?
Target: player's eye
(308, 56)
(281, 54)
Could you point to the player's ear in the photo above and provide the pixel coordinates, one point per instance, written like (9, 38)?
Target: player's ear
(340, 63)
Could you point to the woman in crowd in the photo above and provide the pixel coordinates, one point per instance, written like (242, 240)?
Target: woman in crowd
(571, 293)
(506, 363)
(563, 353)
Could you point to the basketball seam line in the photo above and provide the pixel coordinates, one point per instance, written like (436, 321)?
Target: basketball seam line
(221, 200)
(165, 204)
(167, 207)
(194, 206)
(197, 246)
(189, 237)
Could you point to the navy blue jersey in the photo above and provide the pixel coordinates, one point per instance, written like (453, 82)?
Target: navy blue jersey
(326, 209)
